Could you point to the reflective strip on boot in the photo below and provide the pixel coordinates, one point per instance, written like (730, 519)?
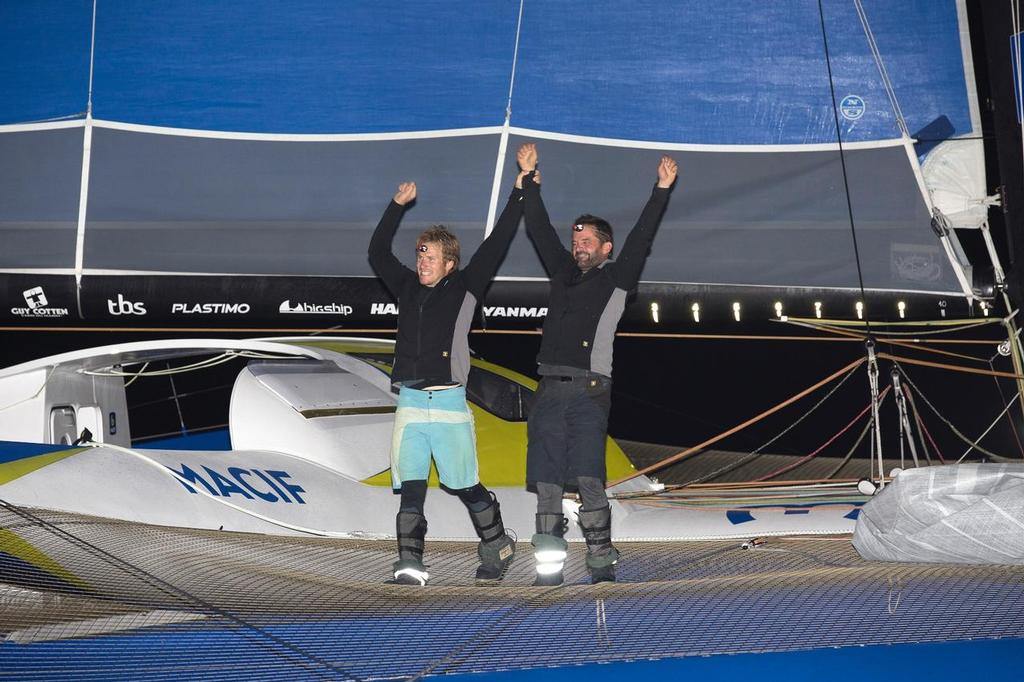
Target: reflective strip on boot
(410, 572)
(549, 551)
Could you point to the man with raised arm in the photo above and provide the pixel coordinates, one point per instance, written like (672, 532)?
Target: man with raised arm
(431, 367)
(568, 420)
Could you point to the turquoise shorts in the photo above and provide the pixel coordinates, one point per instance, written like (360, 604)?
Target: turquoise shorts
(436, 424)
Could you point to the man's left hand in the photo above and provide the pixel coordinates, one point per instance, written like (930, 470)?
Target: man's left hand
(667, 171)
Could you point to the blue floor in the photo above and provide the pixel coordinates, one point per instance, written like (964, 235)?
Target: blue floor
(974, 661)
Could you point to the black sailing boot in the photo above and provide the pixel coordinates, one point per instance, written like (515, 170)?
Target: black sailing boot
(549, 549)
(496, 548)
(601, 555)
(412, 529)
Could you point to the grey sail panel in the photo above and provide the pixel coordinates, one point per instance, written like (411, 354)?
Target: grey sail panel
(40, 178)
(183, 204)
(769, 218)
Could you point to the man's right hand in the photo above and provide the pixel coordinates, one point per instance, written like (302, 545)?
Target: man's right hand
(527, 157)
(406, 193)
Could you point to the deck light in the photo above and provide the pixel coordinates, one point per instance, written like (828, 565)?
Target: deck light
(860, 310)
(736, 311)
(696, 312)
(654, 313)
(817, 309)
(902, 307)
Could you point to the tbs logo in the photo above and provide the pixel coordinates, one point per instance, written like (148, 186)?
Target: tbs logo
(125, 307)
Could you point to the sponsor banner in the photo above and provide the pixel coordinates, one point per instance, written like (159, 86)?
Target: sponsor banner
(237, 301)
(284, 303)
(36, 299)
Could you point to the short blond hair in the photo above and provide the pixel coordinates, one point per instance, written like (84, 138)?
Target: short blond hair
(449, 243)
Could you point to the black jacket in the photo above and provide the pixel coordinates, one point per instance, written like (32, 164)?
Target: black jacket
(433, 322)
(584, 308)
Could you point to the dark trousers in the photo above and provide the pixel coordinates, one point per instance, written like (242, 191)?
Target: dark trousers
(567, 430)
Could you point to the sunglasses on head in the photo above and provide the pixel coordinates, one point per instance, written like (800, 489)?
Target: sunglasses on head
(578, 227)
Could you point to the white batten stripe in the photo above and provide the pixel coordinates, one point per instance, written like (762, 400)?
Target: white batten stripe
(499, 165)
(296, 137)
(44, 125)
(83, 202)
(37, 271)
(454, 132)
(691, 147)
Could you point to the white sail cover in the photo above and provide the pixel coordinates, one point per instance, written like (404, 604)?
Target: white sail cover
(965, 514)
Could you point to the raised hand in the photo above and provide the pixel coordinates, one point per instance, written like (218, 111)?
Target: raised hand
(667, 171)
(406, 193)
(527, 157)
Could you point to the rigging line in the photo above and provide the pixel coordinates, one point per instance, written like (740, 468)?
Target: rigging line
(944, 326)
(842, 160)
(806, 458)
(527, 332)
(961, 436)
(853, 448)
(952, 368)
(1015, 14)
(499, 162)
(92, 60)
(922, 431)
(756, 452)
(894, 342)
(1002, 396)
(880, 65)
(83, 189)
(990, 427)
(739, 427)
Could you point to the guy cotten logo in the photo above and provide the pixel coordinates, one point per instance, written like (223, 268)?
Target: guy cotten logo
(35, 297)
(38, 305)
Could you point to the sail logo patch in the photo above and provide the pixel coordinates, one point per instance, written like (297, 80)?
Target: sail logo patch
(383, 309)
(125, 307)
(514, 311)
(287, 308)
(852, 107)
(38, 305)
(210, 308)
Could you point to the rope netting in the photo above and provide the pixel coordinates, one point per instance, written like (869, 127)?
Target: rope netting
(86, 598)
